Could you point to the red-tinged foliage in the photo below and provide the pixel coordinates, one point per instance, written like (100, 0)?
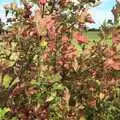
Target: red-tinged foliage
(112, 64)
(64, 39)
(80, 37)
(48, 69)
(42, 2)
(90, 19)
(116, 36)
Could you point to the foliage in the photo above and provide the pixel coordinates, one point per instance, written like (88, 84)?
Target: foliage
(48, 69)
(3, 112)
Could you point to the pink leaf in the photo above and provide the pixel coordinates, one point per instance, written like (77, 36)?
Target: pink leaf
(80, 38)
(42, 2)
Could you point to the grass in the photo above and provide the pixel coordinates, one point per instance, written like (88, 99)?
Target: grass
(92, 35)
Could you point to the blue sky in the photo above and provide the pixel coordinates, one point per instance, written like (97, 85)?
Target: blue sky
(102, 12)
(99, 13)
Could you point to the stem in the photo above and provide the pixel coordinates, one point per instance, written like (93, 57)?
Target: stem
(53, 4)
(43, 7)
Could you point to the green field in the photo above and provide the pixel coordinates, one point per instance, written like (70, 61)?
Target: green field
(92, 35)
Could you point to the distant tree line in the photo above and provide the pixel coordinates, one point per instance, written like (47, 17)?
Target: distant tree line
(94, 29)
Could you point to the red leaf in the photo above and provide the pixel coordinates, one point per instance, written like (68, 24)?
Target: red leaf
(42, 2)
(80, 38)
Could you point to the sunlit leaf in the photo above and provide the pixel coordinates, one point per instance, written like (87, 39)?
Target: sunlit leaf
(82, 118)
(51, 97)
(6, 80)
(43, 42)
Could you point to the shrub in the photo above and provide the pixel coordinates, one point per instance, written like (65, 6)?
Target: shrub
(49, 71)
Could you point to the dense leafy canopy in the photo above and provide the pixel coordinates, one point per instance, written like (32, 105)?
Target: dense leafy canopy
(50, 70)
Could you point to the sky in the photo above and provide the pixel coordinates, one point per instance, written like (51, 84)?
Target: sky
(102, 12)
(99, 13)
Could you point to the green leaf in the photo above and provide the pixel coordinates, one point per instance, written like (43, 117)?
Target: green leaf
(77, 46)
(3, 112)
(56, 77)
(82, 118)
(6, 80)
(51, 97)
(58, 86)
(14, 118)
